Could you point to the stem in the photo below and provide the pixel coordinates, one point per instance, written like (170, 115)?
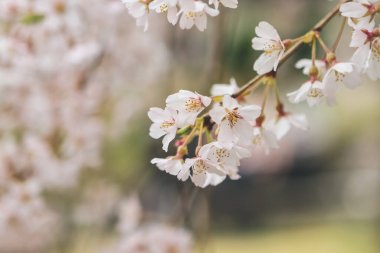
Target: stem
(318, 27)
(313, 52)
(277, 94)
(323, 44)
(200, 137)
(341, 29)
(264, 103)
(189, 137)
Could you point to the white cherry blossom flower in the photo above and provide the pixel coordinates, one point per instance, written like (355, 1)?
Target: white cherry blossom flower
(202, 171)
(168, 6)
(359, 8)
(164, 124)
(188, 104)
(367, 54)
(227, 156)
(224, 89)
(312, 91)
(264, 138)
(233, 120)
(171, 165)
(306, 64)
(226, 3)
(196, 15)
(345, 73)
(283, 123)
(362, 32)
(269, 41)
(139, 9)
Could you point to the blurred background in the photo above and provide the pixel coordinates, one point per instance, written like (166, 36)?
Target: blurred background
(76, 81)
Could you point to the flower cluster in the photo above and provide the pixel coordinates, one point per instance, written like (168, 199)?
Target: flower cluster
(226, 131)
(327, 75)
(147, 238)
(59, 98)
(188, 12)
(232, 126)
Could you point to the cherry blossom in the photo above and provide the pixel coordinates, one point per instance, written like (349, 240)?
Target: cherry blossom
(202, 170)
(196, 15)
(359, 8)
(226, 3)
(169, 6)
(165, 123)
(265, 138)
(367, 55)
(233, 120)
(224, 89)
(139, 10)
(283, 123)
(312, 91)
(171, 165)
(189, 105)
(345, 73)
(227, 156)
(269, 41)
(306, 65)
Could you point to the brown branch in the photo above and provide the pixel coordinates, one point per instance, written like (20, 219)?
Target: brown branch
(318, 27)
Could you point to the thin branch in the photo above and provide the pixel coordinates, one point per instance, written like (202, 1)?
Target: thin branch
(318, 27)
(341, 29)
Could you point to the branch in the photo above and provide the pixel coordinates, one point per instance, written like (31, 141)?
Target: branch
(318, 27)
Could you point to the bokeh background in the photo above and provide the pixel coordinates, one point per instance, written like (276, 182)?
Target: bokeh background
(318, 193)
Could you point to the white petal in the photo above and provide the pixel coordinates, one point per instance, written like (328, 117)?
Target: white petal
(168, 138)
(229, 102)
(157, 114)
(353, 10)
(259, 43)
(299, 121)
(266, 30)
(344, 67)
(265, 63)
(217, 114)
(281, 127)
(155, 131)
(250, 112)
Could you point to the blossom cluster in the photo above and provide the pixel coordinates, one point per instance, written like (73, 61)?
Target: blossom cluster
(188, 12)
(58, 101)
(327, 75)
(232, 126)
(136, 236)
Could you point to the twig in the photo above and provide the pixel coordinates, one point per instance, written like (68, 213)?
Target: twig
(318, 27)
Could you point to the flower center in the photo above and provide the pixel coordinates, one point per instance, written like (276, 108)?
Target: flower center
(190, 15)
(166, 124)
(232, 117)
(221, 154)
(199, 167)
(193, 105)
(339, 76)
(315, 93)
(271, 47)
(375, 48)
(164, 7)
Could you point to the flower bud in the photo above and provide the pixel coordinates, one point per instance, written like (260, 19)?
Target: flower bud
(313, 71)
